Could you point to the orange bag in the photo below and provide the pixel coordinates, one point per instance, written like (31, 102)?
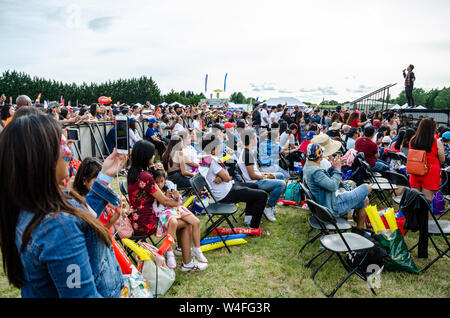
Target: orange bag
(416, 163)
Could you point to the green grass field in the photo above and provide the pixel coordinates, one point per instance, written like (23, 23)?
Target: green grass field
(269, 266)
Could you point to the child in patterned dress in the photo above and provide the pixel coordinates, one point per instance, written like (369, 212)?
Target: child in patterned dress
(168, 217)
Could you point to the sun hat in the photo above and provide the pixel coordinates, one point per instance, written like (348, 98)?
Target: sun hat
(313, 151)
(386, 140)
(336, 126)
(308, 110)
(328, 145)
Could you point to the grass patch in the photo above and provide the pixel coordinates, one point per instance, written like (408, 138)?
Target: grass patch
(269, 266)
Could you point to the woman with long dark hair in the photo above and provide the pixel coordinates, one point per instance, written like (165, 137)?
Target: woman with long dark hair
(51, 246)
(397, 144)
(426, 139)
(6, 114)
(174, 163)
(142, 193)
(410, 132)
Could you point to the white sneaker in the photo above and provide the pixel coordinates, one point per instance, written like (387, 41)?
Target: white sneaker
(274, 209)
(170, 261)
(268, 212)
(247, 219)
(193, 266)
(178, 252)
(198, 254)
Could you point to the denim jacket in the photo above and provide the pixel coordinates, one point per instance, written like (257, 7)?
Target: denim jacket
(323, 184)
(64, 257)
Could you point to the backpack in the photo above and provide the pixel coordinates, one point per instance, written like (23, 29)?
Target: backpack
(292, 192)
(416, 163)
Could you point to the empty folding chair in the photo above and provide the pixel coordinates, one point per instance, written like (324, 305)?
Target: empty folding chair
(396, 179)
(340, 244)
(220, 210)
(316, 224)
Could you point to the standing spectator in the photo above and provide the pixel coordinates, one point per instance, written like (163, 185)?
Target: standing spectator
(425, 139)
(316, 117)
(256, 117)
(7, 114)
(410, 78)
(23, 100)
(273, 116)
(265, 122)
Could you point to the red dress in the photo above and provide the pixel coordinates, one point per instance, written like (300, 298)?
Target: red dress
(432, 180)
(144, 220)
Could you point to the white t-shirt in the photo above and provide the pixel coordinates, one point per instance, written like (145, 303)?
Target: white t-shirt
(134, 137)
(265, 115)
(177, 127)
(284, 139)
(196, 125)
(219, 191)
(273, 118)
(279, 114)
(190, 153)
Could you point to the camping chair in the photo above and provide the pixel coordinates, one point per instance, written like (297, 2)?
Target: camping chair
(316, 224)
(340, 243)
(222, 210)
(435, 228)
(397, 179)
(400, 156)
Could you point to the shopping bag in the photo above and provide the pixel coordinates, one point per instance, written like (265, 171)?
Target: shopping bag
(160, 278)
(399, 258)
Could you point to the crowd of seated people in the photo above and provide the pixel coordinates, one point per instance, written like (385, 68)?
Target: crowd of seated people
(33, 211)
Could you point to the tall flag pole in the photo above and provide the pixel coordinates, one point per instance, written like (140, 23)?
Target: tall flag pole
(206, 83)
(225, 83)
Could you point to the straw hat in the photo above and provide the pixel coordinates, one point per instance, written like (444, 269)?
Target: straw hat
(336, 126)
(329, 146)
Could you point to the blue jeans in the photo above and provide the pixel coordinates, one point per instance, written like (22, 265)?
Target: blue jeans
(380, 166)
(274, 186)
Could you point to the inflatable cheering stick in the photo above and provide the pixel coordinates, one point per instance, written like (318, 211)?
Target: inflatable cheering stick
(166, 244)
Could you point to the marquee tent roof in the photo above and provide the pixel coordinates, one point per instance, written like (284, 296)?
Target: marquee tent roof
(291, 102)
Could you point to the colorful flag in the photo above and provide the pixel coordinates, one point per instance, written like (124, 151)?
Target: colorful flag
(225, 83)
(38, 98)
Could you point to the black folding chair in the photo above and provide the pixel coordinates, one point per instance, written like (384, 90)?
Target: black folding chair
(378, 184)
(316, 224)
(435, 228)
(220, 210)
(396, 179)
(339, 243)
(123, 189)
(400, 156)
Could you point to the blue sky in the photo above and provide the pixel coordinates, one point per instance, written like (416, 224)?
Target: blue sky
(306, 49)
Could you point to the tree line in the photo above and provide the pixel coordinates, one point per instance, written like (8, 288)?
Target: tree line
(132, 90)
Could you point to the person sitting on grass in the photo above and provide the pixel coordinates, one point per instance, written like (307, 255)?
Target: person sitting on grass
(324, 184)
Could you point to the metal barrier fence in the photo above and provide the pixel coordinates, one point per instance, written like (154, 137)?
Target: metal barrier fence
(92, 141)
(442, 116)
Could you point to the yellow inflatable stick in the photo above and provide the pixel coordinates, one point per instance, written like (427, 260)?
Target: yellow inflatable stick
(375, 219)
(189, 201)
(143, 254)
(226, 158)
(213, 246)
(390, 218)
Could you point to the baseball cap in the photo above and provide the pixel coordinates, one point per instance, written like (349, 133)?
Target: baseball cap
(446, 136)
(152, 120)
(314, 151)
(54, 104)
(229, 125)
(310, 135)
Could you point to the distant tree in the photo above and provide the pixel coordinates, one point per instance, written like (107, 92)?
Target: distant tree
(442, 100)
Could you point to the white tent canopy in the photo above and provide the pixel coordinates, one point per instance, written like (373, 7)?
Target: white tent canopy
(420, 107)
(395, 106)
(290, 101)
(405, 106)
(163, 104)
(177, 103)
